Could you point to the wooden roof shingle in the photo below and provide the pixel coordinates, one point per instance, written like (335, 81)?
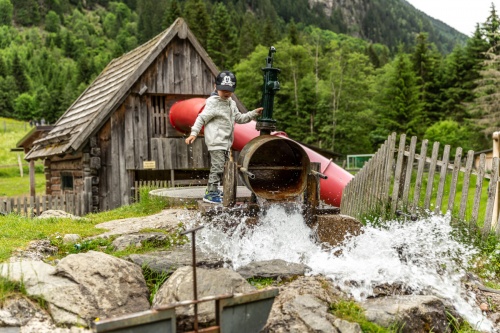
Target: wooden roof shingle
(95, 105)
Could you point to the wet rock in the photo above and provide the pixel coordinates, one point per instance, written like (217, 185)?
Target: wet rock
(336, 229)
(303, 306)
(169, 261)
(211, 282)
(413, 314)
(276, 269)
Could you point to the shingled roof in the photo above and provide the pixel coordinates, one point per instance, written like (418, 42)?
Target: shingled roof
(96, 104)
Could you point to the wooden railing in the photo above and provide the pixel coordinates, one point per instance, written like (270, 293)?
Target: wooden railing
(35, 205)
(397, 178)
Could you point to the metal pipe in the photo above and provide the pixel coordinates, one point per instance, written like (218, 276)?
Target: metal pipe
(412, 217)
(195, 285)
(248, 173)
(319, 174)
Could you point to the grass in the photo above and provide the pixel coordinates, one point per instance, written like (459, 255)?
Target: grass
(17, 231)
(13, 185)
(11, 131)
(352, 312)
(11, 182)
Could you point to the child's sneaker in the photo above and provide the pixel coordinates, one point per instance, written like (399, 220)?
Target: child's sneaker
(212, 197)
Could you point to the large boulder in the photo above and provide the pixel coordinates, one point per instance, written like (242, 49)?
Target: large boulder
(413, 313)
(210, 282)
(276, 269)
(83, 286)
(303, 306)
(116, 285)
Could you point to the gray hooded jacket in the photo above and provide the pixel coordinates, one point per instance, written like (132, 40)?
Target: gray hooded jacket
(218, 117)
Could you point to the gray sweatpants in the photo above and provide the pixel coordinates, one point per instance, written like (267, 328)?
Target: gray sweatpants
(217, 160)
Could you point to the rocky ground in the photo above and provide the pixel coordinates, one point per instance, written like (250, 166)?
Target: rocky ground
(103, 286)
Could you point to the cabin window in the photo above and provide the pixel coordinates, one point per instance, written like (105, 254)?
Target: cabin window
(67, 181)
(159, 116)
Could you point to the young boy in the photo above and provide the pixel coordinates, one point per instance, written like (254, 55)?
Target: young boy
(218, 117)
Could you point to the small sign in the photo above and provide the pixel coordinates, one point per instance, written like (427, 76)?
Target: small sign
(149, 164)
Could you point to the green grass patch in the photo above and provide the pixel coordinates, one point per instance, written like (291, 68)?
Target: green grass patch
(261, 283)
(13, 185)
(352, 312)
(17, 231)
(154, 280)
(11, 132)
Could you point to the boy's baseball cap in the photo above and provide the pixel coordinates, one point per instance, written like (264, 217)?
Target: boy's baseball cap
(225, 81)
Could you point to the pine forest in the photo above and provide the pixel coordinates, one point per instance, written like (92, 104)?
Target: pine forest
(344, 87)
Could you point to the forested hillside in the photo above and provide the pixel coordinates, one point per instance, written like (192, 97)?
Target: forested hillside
(405, 72)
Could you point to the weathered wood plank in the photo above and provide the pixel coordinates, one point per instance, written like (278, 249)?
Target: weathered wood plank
(409, 171)
(129, 135)
(442, 178)
(432, 170)
(478, 191)
(397, 174)
(465, 184)
(492, 189)
(454, 179)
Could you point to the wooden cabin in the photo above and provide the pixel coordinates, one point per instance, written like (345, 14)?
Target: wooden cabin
(110, 136)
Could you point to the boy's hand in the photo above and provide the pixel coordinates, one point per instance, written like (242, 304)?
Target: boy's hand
(190, 139)
(259, 111)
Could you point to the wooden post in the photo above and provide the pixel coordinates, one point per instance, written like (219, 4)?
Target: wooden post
(20, 165)
(496, 153)
(230, 182)
(311, 195)
(32, 178)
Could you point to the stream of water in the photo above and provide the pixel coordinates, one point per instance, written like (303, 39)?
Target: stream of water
(420, 255)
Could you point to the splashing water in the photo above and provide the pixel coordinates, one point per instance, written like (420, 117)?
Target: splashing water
(422, 255)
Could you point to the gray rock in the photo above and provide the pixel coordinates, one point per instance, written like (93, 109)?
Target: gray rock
(169, 261)
(302, 306)
(277, 268)
(54, 213)
(211, 282)
(71, 238)
(116, 285)
(347, 327)
(415, 313)
(136, 240)
(59, 293)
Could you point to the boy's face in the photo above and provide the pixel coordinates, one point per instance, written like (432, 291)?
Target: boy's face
(224, 94)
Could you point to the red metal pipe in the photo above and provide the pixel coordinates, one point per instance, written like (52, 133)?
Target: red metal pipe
(183, 115)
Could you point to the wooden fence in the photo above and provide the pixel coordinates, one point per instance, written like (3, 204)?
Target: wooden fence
(396, 178)
(35, 205)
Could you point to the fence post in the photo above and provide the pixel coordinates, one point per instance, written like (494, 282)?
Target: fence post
(496, 153)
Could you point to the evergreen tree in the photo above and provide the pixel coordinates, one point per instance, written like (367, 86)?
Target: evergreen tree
(8, 92)
(221, 41)
(269, 35)
(6, 10)
(248, 35)
(52, 22)
(399, 102)
(150, 18)
(426, 62)
(172, 13)
(19, 74)
(3, 67)
(491, 27)
(293, 34)
(197, 18)
(26, 12)
(486, 105)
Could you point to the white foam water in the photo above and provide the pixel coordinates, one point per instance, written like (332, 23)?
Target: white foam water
(422, 256)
